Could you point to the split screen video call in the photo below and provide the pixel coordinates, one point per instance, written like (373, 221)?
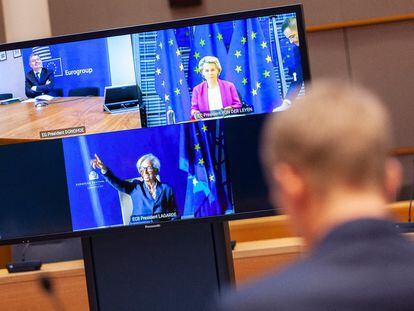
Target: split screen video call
(143, 127)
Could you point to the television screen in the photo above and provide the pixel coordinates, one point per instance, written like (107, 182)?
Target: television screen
(188, 151)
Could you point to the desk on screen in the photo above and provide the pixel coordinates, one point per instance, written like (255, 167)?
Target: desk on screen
(20, 122)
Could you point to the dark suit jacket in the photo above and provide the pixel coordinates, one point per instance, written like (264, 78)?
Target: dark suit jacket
(296, 72)
(164, 206)
(42, 87)
(362, 265)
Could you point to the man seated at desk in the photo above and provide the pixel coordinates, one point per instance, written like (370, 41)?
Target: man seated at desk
(39, 80)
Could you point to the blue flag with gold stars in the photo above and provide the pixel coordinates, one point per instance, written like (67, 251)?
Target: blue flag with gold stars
(207, 40)
(250, 67)
(170, 82)
(207, 192)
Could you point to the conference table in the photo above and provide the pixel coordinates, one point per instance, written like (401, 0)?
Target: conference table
(25, 121)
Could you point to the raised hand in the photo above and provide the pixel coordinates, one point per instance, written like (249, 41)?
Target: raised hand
(97, 163)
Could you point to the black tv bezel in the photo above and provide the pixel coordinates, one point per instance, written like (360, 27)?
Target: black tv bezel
(295, 8)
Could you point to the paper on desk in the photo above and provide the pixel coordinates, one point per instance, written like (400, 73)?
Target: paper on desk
(29, 100)
(44, 97)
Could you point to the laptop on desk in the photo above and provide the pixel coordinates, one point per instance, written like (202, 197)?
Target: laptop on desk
(122, 98)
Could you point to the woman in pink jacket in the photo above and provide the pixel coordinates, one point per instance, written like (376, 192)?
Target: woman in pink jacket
(212, 94)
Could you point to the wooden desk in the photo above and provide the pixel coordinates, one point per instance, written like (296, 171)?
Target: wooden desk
(22, 291)
(20, 122)
(271, 251)
(273, 227)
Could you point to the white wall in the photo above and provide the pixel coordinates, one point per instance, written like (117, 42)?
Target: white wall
(12, 75)
(121, 60)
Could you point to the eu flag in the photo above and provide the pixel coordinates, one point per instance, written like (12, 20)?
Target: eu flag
(250, 67)
(207, 192)
(170, 82)
(207, 41)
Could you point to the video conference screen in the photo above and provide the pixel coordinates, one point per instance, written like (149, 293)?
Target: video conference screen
(143, 125)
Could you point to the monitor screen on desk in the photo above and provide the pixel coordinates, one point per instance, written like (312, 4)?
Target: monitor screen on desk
(121, 98)
(206, 84)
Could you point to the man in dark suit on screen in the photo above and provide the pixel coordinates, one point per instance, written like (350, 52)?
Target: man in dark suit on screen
(294, 65)
(39, 80)
(152, 200)
(328, 168)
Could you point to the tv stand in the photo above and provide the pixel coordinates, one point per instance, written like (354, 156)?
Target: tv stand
(180, 267)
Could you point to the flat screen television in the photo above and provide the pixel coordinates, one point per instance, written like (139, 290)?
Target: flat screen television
(189, 154)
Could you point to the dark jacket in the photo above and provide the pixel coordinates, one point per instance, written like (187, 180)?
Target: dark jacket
(162, 208)
(42, 87)
(361, 265)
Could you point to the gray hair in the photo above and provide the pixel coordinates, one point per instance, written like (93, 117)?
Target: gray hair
(149, 156)
(209, 60)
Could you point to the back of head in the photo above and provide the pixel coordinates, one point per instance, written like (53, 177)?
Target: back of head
(338, 133)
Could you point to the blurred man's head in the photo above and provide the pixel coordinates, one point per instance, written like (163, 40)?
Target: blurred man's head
(290, 30)
(333, 144)
(35, 62)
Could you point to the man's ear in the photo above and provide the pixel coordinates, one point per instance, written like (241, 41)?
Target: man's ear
(392, 178)
(290, 181)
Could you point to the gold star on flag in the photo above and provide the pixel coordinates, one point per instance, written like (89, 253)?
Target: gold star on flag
(266, 73)
(181, 81)
(197, 147)
(197, 70)
(167, 97)
(254, 92)
(219, 37)
(181, 67)
(178, 52)
(253, 35)
(237, 54)
(158, 71)
(238, 69)
(244, 81)
(177, 91)
(243, 40)
(201, 161)
(157, 57)
(268, 59)
(204, 128)
(258, 85)
(160, 45)
(171, 42)
(211, 177)
(195, 181)
(202, 42)
(263, 45)
(163, 83)
(196, 55)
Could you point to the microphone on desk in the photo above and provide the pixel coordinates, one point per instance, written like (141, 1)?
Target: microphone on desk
(46, 284)
(408, 226)
(23, 265)
(411, 194)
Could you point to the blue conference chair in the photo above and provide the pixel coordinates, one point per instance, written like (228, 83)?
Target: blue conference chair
(56, 92)
(6, 96)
